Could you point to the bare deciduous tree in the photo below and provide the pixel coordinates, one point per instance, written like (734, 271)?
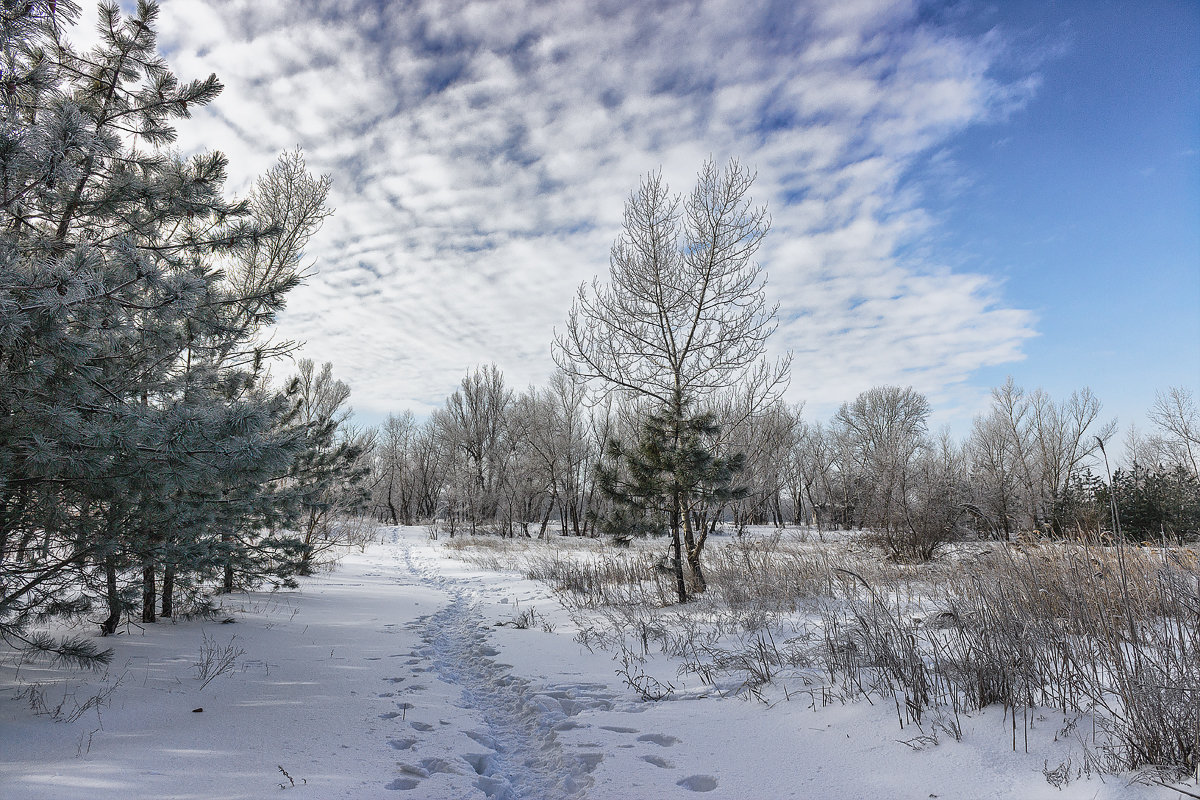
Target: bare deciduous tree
(684, 315)
(1175, 414)
(1066, 434)
(554, 421)
(811, 475)
(331, 471)
(289, 205)
(884, 429)
(392, 483)
(1034, 447)
(473, 425)
(1143, 450)
(767, 440)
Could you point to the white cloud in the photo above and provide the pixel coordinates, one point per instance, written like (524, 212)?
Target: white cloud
(481, 153)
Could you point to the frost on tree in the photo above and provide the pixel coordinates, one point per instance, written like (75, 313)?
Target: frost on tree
(140, 449)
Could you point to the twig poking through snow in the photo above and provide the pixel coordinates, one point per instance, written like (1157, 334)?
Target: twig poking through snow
(216, 659)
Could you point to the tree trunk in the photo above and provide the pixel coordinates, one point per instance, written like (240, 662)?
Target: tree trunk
(149, 597)
(1004, 515)
(676, 545)
(546, 518)
(109, 626)
(679, 512)
(815, 515)
(310, 537)
(168, 591)
(227, 581)
(694, 547)
(392, 507)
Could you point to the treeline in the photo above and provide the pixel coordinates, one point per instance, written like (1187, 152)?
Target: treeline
(531, 463)
(666, 417)
(144, 452)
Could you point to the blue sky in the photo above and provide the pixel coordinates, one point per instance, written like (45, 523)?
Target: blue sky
(1086, 201)
(960, 191)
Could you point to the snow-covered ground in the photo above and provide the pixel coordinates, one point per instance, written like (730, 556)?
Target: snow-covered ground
(401, 674)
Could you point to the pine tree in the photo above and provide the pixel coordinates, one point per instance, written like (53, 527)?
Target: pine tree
(135, 430)
(659, 485)
(1156, 503)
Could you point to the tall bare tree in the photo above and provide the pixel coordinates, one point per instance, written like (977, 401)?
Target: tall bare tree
(1035, 447)
(996, 470)
(767, 440)
(553, 419)
(474, 425)
(885, 428)
(1177, 418)
(685, 312)
(411, 466)
(684, 315)
(390, 468)
(809, 474)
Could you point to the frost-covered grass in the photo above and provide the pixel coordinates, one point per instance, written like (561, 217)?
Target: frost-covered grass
(1080, 627)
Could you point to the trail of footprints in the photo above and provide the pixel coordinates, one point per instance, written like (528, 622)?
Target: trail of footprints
(522, 756)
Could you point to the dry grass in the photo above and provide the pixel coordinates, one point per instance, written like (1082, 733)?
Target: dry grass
(1083, 627)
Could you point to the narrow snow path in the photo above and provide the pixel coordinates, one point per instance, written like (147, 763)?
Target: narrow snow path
(524, 759)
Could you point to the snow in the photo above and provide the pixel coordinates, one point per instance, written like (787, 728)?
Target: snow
(401, 674)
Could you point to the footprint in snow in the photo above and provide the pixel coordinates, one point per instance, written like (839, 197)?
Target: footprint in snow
(590, 760)
(480, 762)
(618, 729)
(436, 765)
(570, 725)
(493, 787)
(414, 773)
(404, 783)
(698, 783)
(402, 744)
(423, 727)
(482, 739)
(659, 761)
(661, 739)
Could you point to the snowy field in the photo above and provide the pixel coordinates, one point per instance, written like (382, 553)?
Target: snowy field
(404, 673)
